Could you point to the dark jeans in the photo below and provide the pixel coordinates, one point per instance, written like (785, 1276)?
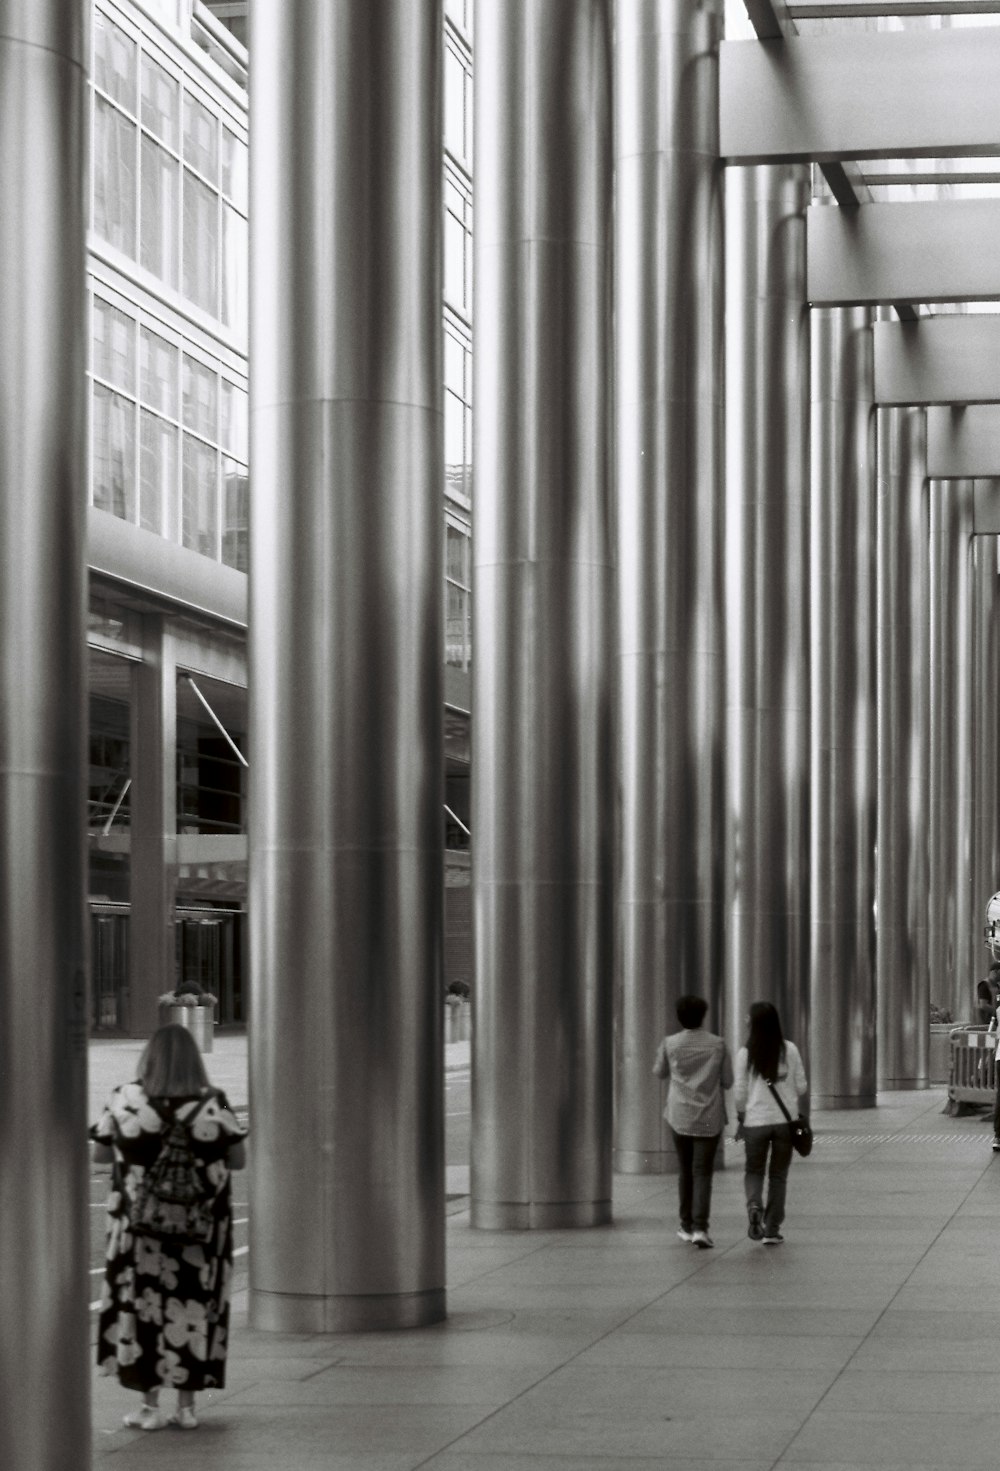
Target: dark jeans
(696, 1157)
(996, 1104)
(776, 1138)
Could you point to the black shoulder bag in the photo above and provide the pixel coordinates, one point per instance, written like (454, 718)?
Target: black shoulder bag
(802, 1135)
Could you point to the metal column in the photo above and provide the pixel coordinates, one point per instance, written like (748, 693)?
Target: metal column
(983, 794)
(45, 1372)
(951, 523)
(346, 667)
(542, 803)
(152, 962)
(767, 598)
(842, 709)
(903, 749)
(668, 384)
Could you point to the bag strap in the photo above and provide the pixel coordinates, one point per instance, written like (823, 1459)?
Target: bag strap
(779, 1101)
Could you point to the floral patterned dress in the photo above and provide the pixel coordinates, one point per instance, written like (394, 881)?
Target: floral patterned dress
(164, 1316)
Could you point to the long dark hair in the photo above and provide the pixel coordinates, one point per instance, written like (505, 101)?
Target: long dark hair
(171, 1065)
(765, 1043)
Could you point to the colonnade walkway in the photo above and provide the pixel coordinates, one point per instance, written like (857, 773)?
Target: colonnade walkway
(867, 1339)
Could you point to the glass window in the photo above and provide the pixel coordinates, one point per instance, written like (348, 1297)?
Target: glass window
(114, 453)
(454, 444)
(457, 555)
(160, 102)
(236, 529)
(201, 398)
(158, 372)
(234, 169)
(201, 244)
(454, 261)
(114, 176)
(201, 148)
(115, 62)
(158, 243)
(456, 641)
(235, 286)
(235, 419)
(114, 345)
(199, 528)
(454, 365)
(157, 474)
(454, 103)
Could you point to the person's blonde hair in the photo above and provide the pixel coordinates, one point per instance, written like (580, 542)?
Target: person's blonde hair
(171, 1065)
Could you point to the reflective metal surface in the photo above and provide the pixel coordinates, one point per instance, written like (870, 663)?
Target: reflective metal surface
(542, 796)
(903, 749)
(842, 709)
(45, 1370)
(346, 639)
(767, 599)
(668, 391)
(984, 786)
(949, 914)
(152, 952)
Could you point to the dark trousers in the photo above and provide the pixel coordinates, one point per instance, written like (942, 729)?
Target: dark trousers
(776, 1139)
(996, 1104)
(696, 1157)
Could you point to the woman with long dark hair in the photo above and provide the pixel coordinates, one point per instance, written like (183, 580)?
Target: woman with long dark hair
(768, 1063)
(165, 1311)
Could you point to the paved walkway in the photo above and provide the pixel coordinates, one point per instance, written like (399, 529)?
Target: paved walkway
(866, 1340)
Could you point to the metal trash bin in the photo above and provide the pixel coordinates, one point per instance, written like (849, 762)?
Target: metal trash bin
(198, 1020)
(973, 1077)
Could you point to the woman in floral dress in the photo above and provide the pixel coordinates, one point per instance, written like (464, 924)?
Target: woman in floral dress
(165, 1309)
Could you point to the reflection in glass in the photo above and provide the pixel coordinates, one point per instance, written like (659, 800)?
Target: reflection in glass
(114, 62)
(455, 626)
(201, 244)
(114, 177)
(157, 474)
(234, 170)
(200, 513)
(201, 398)
(235, 429)
(454, 261)
(235, 285)
(113, 456)
(201, 148)
(160, 102)
(158, 242)
(158, 372)
(236, 525)
(114, 345)
(454, 103)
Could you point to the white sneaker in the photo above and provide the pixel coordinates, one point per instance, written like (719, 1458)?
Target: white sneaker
(703, 1240)
(996, 1143)
(184, 1418)
(147, 1417)
(684, 1234)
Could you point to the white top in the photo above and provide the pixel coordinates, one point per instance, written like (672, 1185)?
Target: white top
(754, 1098)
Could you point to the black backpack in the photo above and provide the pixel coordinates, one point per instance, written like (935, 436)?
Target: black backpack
(175, 1201)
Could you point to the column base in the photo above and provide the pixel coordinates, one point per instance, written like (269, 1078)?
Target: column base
(290, 1312)
(899, 1085)
(826, 1101)
(562, 1215)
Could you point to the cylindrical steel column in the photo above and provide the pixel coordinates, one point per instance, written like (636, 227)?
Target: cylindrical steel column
(842, 721)
(346, 667)
(983, 793)
(668, 382)
(767, 597)
(44, 1228)
(542, 803)
(951, 523)
(903, 749)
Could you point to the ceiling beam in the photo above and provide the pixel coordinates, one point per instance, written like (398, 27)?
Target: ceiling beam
(845, 9)
(952, 360)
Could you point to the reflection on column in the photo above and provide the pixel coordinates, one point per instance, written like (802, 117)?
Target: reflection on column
(346, 775)
(45, 1372)
(153, 847)
(951, 522)
(767, 597)
(541, 761)
(903, 748)
(842, 714)
(983, 820)
(668, 304)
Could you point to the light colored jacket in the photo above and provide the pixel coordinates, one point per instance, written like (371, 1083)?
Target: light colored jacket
(753, 1097)
(698, 1065)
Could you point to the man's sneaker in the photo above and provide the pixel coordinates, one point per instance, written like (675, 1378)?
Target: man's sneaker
(702, 1239)
(755, 1230)
(996, 1143)
(774, 1239)
(685, 1234)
